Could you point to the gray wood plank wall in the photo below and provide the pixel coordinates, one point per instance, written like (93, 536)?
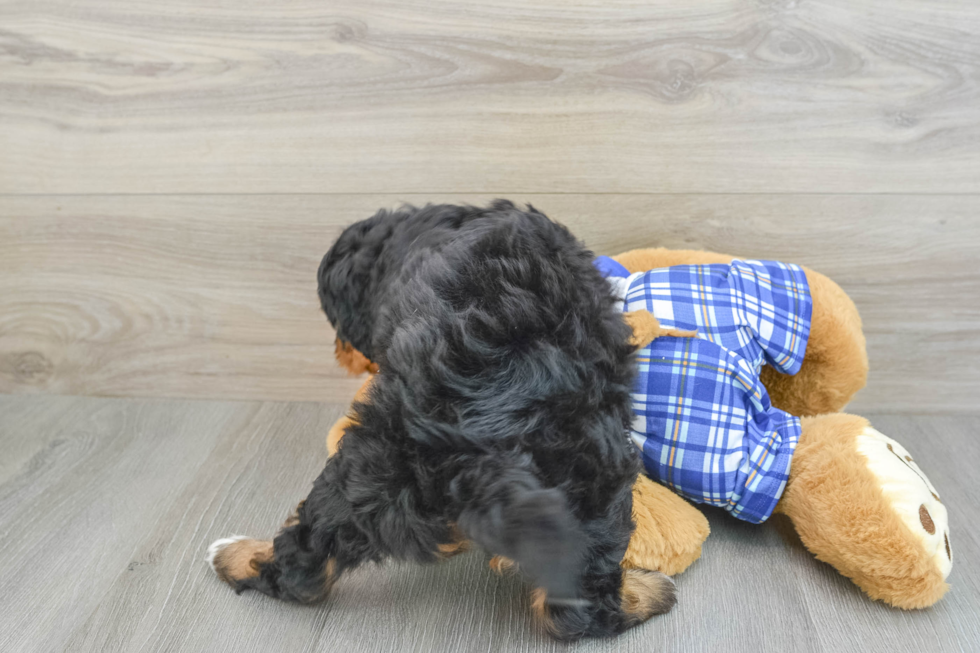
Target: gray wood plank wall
(215, 296)
(172, 172)
(368, 96)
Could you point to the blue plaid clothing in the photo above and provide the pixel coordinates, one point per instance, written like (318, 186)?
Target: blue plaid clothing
(702, 418)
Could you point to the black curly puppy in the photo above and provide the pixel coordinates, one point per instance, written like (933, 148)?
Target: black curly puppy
(498, 416)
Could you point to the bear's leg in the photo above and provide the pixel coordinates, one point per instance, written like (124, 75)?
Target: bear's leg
(860, 503)
(669, 530)
(835, 365)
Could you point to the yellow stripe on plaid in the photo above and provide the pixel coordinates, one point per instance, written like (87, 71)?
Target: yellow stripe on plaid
(708, 428)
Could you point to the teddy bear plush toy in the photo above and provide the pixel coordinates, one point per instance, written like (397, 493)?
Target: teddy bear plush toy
(743, 366)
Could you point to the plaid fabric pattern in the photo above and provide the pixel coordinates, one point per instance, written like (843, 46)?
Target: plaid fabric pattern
(757, 309)
(702, 418)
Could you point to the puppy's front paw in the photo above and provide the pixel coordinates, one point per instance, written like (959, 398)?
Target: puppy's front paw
(237, 558)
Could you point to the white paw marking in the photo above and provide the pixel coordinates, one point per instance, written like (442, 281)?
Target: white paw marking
(218, 545)
(911, 495)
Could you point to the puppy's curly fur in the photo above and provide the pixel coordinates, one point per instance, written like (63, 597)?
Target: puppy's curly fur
(498, 412)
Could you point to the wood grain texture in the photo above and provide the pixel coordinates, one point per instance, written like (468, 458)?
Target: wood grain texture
(106, 512)
(215, 296)
(133, 96)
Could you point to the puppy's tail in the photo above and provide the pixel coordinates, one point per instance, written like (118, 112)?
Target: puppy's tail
(509, 513)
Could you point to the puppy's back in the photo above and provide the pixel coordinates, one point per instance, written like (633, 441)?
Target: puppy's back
(507, 338)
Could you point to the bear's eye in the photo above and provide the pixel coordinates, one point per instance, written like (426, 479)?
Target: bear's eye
(926, 520)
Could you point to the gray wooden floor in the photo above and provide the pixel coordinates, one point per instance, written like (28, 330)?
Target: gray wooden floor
(107, 505)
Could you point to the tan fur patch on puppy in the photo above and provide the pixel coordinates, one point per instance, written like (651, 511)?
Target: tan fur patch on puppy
(340, 426)
(330, 575)
(456, 545)
(293, 517)
(352, 360)
(502, 566)
(539, 606)
(646, 593)
(450, 549)
(336, 433)
(237, 558)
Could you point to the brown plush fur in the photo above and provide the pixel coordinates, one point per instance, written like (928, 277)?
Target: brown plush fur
(641, 260)
(842, 516)
(646, 328)
(669, 531)
(835, 365)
